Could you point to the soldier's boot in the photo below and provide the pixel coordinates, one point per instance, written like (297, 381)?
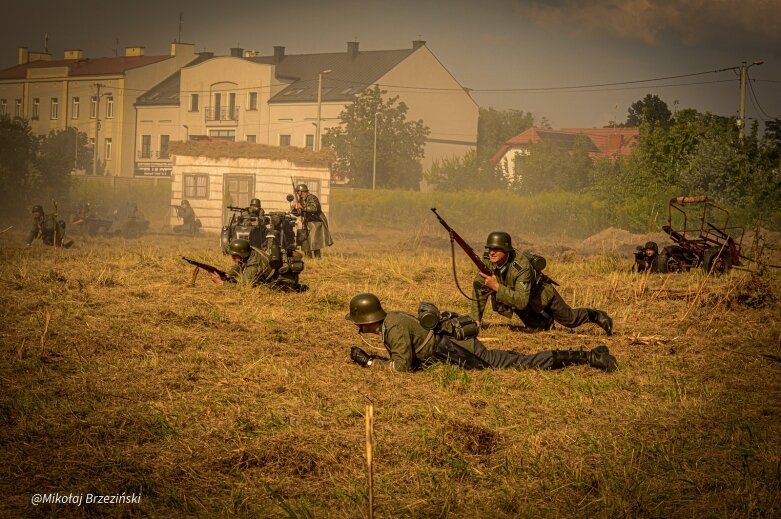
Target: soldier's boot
(316, 253)
(599, 358)
(601, 319)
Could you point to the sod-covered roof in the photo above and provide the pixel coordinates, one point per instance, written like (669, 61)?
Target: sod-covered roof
(249, 150)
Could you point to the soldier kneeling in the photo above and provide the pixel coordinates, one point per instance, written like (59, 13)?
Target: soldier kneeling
(415, 342)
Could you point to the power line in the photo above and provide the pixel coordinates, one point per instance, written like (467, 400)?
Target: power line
(755, 100)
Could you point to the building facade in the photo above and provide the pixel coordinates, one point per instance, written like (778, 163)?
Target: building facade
(291, 100)
(94, 95)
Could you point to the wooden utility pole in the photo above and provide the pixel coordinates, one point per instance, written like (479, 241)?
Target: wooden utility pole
(97, 128)
(742, 108)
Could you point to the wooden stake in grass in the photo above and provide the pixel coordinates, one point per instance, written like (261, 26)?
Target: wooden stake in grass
(45, 331)
(369, 454)
(195, 275)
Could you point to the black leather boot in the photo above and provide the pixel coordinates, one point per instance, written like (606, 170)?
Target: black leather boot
(601, 319)
(599, 358)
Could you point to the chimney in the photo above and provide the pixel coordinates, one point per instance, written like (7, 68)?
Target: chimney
(38, 56)
(279, 53)
(416, 44)
(237, 52)
(22, 55)
(251, 53)
(352, 49)
(182, 49)
(134, 52)
(73, 54)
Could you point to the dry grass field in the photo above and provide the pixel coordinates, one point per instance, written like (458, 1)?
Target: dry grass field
(118, 376)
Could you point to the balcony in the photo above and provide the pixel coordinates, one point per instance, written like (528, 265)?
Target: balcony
(227, 116)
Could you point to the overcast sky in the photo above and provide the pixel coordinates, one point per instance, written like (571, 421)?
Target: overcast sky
(511, 45)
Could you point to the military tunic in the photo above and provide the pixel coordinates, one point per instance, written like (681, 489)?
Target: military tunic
(189, 225)
(411, 346)
(47, 229)
(524, 292)
(315, 223)
(257, 270)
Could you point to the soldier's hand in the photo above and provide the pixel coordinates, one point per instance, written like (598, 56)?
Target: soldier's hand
(490, 281)
(216, 279)
(360, 357)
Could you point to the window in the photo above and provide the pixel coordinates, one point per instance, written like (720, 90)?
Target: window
(93, 107)
(228, 135)
(310, 141)
(196, 186)
(252, 138)
(252, 101)
(164, 140)
(193, 102)
(36, 108)
(108, 149)
(146, 146)
(109, 107)
(18, 108)
(75, 108)
(54, 112)
(3, 107)
(284, 140)
(232, 106)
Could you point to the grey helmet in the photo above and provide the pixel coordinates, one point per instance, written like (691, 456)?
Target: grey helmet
(365, 308)
(499, 240)
(240, 247)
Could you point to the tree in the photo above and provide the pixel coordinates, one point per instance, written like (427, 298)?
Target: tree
(551, 168)
(18, 148)
(651, 109)
(495, 127)
(399, 142)
(59, 153)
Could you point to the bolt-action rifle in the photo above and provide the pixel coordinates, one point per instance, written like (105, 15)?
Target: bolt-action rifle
(208, 268)
(454, 236)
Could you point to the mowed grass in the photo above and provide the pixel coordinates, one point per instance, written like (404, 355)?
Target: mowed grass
(119, 376)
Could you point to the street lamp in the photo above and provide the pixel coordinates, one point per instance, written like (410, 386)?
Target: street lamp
(319, 104)
(95, 148)
(374, 160)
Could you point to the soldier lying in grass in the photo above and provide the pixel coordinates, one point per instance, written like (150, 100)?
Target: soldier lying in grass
(449, 338)
(253, 267)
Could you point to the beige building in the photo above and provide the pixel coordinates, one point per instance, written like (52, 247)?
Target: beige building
(78, 91)
(214, 175)
(274, 100)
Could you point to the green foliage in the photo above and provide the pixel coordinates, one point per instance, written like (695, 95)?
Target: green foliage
(400, 142)
(650, 110)
(34, 169)
(457, 174)
(472, 212)
(551, 168)
(494, 127)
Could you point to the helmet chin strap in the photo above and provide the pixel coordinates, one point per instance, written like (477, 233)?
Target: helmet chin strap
(360, 334)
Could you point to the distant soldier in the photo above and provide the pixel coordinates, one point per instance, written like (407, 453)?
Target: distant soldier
(129, 222)
(411, 346)
(316, 234)
(516, 287)
(48, 229)
(254, 214)
(252, 267)
(647, 258)
(190, 223)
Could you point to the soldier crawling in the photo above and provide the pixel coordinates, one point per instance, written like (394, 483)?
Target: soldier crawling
(517, 287)
(253, 267)
(449, 338)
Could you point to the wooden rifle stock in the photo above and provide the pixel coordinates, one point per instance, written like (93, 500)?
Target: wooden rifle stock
(208, 268)
(461, 243)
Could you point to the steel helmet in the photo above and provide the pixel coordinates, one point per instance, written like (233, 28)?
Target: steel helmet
(302, 187)
(185, 202)
(38, 209)
(239, 247)
(254, 206)
(365, 308)
(652, 245)
(499, 240)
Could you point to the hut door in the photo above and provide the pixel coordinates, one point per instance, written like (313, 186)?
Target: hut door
(237, 191)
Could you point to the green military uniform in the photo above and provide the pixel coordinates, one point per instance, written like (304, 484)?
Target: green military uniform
(257, 270)
(190, 223)
(411, 346)
(528, 294)
(48, 229)
(316, 224)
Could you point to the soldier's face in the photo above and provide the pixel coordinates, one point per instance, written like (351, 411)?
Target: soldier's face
(497, 256)
(369, 328)
(649, 252)
(236, 259)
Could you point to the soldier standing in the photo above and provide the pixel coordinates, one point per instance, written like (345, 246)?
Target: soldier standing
(253, 267)
(516, 287)
(48, 229)
(316, 232)
(410, 346)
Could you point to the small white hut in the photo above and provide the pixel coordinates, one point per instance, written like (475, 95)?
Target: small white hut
(214, 175)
